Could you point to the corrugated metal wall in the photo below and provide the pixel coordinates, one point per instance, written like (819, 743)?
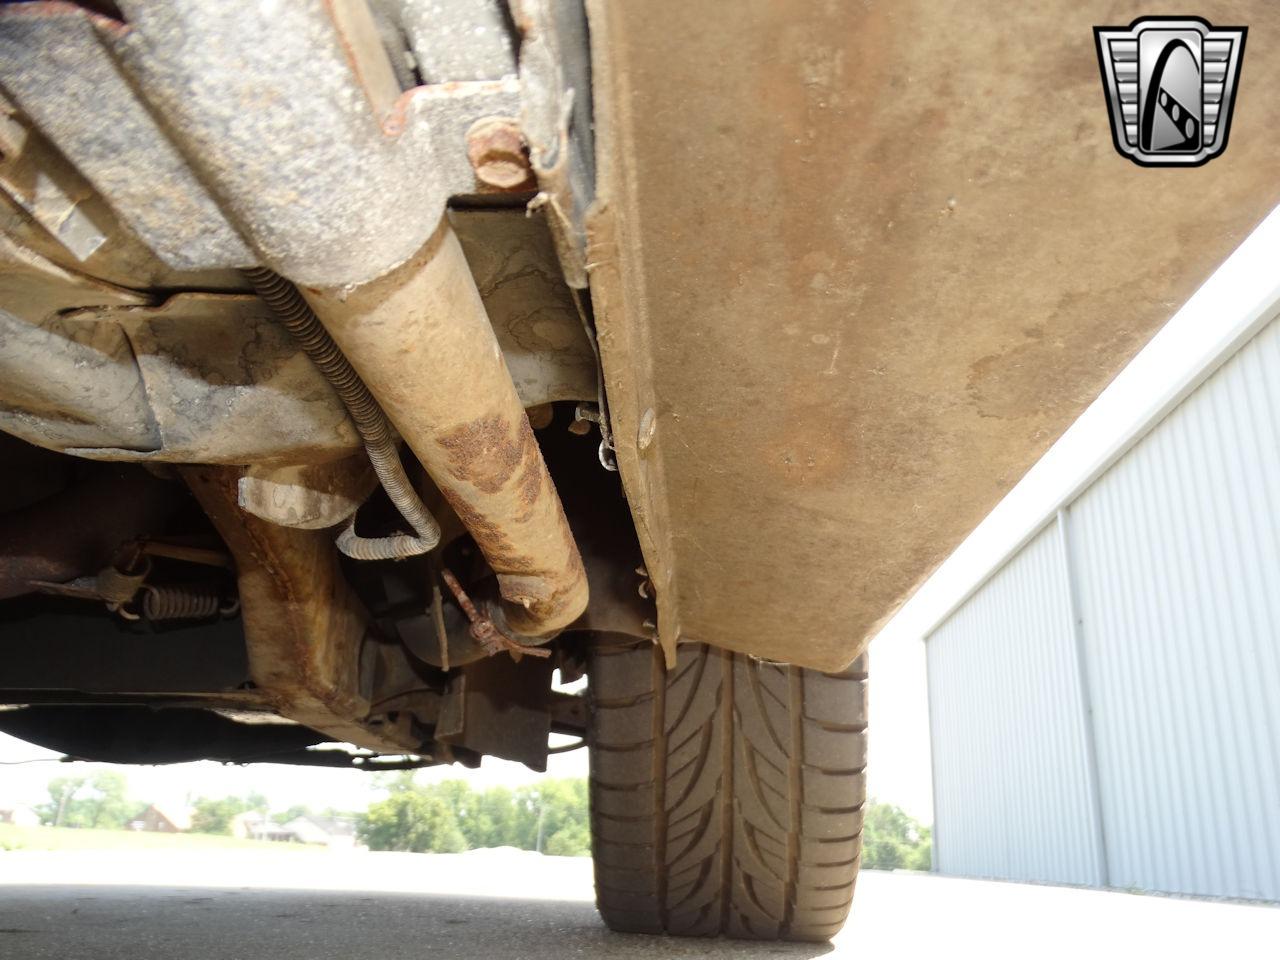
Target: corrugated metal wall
(1160, 698)
(1011, 781)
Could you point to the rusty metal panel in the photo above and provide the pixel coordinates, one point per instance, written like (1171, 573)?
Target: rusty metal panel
(855, 267)
(305, 629)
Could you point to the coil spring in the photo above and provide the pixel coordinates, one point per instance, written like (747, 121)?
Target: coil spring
(183, 602)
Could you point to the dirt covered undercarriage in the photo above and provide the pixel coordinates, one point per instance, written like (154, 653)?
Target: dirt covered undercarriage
(365, 364)
(316, 500)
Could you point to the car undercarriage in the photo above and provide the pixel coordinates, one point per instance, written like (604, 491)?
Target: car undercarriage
(366, 366)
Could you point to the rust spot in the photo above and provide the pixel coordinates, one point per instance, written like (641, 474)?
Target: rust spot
(499, 457)
(487, 452)
(489, 537)
(529, 487)
(396, 119)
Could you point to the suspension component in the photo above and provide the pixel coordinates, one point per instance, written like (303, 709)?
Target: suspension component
(194, 601)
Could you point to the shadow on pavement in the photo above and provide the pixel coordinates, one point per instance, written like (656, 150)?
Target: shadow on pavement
(194, 923)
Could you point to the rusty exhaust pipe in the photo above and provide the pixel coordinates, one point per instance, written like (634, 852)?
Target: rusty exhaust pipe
(421, 340)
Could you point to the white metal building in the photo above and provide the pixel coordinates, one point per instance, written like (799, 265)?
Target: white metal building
(1104, 662)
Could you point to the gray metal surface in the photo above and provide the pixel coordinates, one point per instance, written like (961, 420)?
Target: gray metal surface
(557, 120)
(43, 185)
(51, 209)
(229, 134)
(455, 39)
(1174, 557)
(1011, 794)
(288, 133)
(1177, 557)
(54, 64)
(66, 383)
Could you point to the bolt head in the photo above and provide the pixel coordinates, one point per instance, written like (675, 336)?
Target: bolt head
(499, 155)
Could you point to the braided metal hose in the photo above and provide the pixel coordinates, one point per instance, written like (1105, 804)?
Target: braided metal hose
(395, 547)
(371, 423)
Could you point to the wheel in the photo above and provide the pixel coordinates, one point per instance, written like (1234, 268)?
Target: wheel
(726, 794)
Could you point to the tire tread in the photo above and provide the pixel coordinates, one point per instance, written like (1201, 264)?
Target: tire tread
(726, 794)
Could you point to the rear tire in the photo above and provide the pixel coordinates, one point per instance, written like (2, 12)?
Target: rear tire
(726, 795)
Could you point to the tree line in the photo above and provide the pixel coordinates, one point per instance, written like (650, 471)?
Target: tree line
(96, 802)
(100, 802)
(550, 816)
(447, 817)
(450, 817)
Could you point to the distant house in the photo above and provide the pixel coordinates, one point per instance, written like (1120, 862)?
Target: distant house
(254, 825)
(158, 819)
(333, 832)
(20, 815)
(339, 832)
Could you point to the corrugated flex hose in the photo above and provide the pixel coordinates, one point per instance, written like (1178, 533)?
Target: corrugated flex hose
(371, 423)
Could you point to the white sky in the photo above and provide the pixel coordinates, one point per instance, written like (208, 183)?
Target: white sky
(175, 784)
(1232, 305)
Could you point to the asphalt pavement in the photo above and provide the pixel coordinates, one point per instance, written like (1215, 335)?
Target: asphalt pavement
(488, 905)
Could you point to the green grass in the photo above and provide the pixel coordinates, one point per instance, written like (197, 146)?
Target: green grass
(55, 838)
